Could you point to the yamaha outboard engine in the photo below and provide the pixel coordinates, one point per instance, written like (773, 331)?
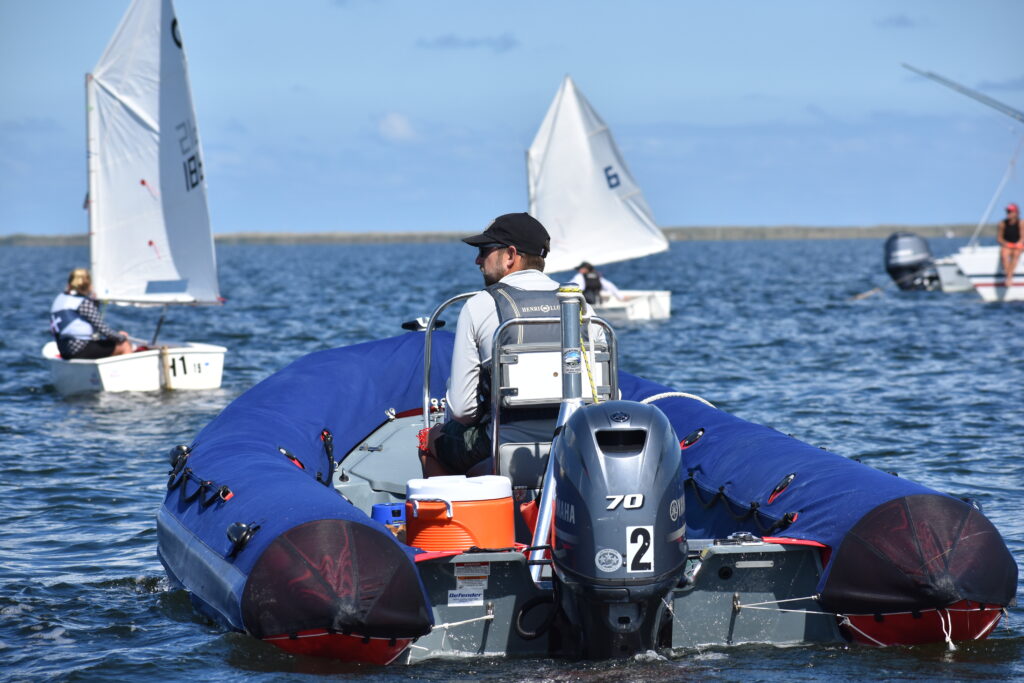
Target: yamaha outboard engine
(909, 263)
(619, 543)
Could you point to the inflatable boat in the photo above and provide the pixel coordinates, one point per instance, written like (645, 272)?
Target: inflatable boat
(652, 520)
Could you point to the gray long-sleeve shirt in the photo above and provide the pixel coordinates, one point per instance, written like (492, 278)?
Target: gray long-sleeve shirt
(474, 336)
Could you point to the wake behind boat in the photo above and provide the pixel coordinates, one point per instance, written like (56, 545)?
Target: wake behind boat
(582, 192)
(652, 520)
(149, 227)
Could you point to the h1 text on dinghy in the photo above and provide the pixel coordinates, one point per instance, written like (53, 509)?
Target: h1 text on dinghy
(653, 520)
(582, 192)
(149, 228)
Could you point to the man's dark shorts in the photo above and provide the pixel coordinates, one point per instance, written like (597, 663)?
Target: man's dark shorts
(460, 446)
(97, 349)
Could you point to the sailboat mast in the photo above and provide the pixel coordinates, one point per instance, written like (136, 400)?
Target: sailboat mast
(90, 167)
(529, 185)
(984, 99)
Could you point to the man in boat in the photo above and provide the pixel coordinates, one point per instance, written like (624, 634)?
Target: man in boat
(77, 325)
(596, 288)
(1010, 244)
(510, 256)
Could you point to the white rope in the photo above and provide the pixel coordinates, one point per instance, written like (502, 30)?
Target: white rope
(680, 394)
(779, 602)
(758, 605)
(847, 622)
(947, 633)
(999, 190)
(486, 617)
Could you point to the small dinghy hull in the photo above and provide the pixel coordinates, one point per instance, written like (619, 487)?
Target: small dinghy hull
(177, 367)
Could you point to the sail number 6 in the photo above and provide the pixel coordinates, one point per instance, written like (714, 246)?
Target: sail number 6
(611, 177)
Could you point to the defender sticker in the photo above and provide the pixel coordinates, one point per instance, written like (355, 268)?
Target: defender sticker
(466, 598)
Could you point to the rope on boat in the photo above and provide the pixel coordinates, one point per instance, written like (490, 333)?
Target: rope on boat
(586, 362)
(947, 633)
(945, 618)
(846, 622)
(758, 605)
(486, 617)
(679, 394)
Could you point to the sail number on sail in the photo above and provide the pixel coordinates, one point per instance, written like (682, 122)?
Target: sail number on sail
(193, 165)
(612, 178)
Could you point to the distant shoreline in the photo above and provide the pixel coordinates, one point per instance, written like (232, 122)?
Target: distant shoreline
(704, 233)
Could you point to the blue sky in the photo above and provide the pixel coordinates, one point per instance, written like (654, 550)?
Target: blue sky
(381, 115)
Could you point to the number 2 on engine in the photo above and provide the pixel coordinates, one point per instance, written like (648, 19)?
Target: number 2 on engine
(639, 552)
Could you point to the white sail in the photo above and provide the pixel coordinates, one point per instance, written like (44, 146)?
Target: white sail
(582, 192)
(149, 226)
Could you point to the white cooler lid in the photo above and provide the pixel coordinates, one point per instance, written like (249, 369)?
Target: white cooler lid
(459, 487)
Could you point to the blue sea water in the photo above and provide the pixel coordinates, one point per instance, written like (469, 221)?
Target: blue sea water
(928, 385)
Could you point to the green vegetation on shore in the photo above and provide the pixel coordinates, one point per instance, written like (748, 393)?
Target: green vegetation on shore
(711, 234)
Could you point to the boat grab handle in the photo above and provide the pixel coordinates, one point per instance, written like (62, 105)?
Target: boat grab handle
(428, 343)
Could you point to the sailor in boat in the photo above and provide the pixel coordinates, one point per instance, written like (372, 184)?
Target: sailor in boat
(78, 326)
(510, 255)
(1010, 244)
(596, 288)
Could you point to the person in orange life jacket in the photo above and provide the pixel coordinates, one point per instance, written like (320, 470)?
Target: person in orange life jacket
(1010, 244)
(77, 325)
(510, 256)
(595, 286)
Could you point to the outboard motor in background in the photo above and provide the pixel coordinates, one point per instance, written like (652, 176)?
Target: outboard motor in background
(619, 543)
(909, 263)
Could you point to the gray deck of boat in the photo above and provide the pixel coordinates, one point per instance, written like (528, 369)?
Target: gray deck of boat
(733, 592)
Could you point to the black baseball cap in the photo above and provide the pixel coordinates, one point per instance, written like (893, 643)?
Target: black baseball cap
(519, 230)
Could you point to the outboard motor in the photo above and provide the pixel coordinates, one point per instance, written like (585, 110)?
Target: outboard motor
(619, 542)
(909, 263)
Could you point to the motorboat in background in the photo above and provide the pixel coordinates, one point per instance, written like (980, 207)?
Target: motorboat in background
(149, 227)
(951, 278)
(983, 268)
(908, 260)
(974, 265)
(582, 192)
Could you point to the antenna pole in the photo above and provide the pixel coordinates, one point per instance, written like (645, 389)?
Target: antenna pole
(984, 99)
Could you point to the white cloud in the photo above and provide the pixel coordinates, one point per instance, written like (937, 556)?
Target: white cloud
(396, 128)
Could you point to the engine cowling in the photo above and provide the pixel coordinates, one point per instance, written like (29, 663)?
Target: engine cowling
(619, 543)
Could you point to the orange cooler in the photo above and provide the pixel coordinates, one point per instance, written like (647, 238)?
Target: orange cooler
(458, 512)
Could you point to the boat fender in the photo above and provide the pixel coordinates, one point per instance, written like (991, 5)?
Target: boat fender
(239, 533)
(691, 438)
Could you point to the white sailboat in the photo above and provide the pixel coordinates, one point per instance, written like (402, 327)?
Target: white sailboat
(149, 227)
(582, 192)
